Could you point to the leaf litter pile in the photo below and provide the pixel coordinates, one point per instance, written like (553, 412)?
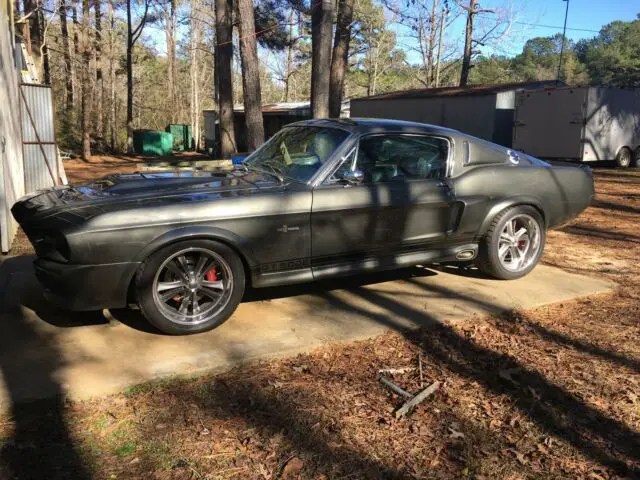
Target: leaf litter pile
(548, 393)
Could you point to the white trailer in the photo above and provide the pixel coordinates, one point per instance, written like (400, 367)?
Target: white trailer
(584, 124)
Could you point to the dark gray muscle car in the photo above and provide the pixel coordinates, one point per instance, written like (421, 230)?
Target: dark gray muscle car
(321, 198)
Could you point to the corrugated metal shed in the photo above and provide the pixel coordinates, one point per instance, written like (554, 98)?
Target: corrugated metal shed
(460, 91)
(41, 167)
(484, 111)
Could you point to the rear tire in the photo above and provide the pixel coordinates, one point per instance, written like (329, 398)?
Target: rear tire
(190, 286)
(624, 157)
(513, 244)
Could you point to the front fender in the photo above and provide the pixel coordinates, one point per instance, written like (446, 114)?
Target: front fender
(191, 232)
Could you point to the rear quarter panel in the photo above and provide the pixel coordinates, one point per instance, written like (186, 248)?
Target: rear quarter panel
(560, 193)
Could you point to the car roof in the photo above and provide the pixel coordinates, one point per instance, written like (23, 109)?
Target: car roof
(375, 125)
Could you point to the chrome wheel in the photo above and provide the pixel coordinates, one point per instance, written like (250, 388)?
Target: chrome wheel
(192, 286)
(519, 243)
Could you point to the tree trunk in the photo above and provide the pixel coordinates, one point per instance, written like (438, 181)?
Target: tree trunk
(129, 80)
(99, 89)
(224, 76)
(443, 19)
(171, 12)
(66, 55)
(86, 87)
(290, 46)
(250, 75)
(340, 57)
(112, 78)
(433, 21)
(76, 28)
(196, 38)
(468, 36)
(321, 29)
(34, 44)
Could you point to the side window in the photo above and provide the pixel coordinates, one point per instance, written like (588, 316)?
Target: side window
(389, 158)
(345, 166)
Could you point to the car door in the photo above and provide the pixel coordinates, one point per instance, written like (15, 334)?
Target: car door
(404, 204)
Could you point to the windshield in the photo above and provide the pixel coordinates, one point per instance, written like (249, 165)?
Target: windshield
(297, 152)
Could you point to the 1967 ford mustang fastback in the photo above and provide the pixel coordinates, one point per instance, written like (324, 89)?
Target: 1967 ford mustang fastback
(321, 198)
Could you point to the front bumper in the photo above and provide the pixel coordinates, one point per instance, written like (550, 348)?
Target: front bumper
(85, 287)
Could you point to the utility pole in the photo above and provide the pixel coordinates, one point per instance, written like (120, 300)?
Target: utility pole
(564, 37)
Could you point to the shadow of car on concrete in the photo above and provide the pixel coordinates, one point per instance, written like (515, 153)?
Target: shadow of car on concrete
(23, 289)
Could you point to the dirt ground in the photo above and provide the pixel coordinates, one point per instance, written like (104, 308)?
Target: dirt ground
(548, 393)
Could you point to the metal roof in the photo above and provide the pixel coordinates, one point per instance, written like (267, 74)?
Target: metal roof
(300, 108)
(461, 91)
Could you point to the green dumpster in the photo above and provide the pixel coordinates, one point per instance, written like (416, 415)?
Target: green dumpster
(152, 142)
(182, 136)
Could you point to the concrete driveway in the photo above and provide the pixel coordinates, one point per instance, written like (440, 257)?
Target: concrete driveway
(45, 351)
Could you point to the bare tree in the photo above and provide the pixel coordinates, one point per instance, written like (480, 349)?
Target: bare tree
(170, 10)
(321, 30)
(224, 75)
(86, 83)
(33, 13)
(252, 94)
(289, 65)
(133, 34)
(493, 31)
(443, 20)
(340, 56)
(112, 76)
(195, 42)
(66, 55)
(99, 87)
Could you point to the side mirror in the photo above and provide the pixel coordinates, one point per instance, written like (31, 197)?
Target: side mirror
(355, 177)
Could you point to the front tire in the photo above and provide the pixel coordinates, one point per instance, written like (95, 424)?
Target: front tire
(513, 244)
(190, 286)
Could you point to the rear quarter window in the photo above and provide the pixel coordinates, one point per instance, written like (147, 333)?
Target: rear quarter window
(485, 153)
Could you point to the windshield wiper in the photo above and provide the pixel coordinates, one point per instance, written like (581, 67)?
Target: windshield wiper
(273, 170)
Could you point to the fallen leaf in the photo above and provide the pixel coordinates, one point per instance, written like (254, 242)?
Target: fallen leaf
(293, 467)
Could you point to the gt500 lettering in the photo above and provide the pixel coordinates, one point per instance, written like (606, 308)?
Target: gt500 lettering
(286, 265)
(288, 228)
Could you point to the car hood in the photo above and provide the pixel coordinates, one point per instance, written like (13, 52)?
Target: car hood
(116, 192)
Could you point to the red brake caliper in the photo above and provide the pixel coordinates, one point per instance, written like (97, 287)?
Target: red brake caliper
(211, 275)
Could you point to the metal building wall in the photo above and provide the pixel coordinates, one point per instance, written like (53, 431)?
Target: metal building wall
(11, 170)
(41, 169)
(469, 114)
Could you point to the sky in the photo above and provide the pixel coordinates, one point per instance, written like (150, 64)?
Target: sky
(542, 18)
(583, 14)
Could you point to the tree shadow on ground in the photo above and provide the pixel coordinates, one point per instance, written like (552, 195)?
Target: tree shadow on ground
(41, 445)
(599, 233)
(614, 206)
(559, 413)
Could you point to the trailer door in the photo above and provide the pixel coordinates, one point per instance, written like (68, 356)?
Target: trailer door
(549, 123)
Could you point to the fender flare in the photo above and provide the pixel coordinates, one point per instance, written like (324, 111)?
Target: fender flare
(512, 202)
(239, 244)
